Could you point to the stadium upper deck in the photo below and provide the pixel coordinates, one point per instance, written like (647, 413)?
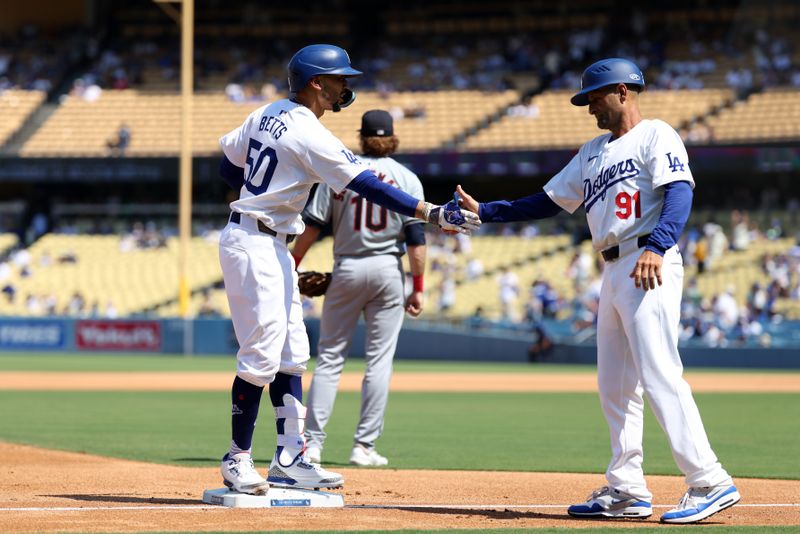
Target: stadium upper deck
(454, 75)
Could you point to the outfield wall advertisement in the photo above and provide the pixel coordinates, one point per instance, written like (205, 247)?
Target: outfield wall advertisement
(32, 335)
(118, 335)
(416, 342)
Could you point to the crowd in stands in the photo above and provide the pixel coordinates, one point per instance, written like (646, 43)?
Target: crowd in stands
(19, 261)
(720, 321)
(143, 236)
(46, 305)
(34, 60)
(118, 143)
(752, 55)
(716, 320)
(696, 132)
(676, 55)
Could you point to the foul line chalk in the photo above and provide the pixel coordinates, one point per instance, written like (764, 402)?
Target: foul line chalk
(523, 506)
(189, 507)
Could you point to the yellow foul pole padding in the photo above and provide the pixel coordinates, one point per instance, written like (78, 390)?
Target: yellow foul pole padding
(185, 202)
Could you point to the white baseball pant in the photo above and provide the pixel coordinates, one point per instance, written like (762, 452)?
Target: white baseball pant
(267, 314)
(637, 354)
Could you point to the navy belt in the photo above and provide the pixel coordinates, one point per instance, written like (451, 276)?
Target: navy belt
(236, 218)
(612, 253)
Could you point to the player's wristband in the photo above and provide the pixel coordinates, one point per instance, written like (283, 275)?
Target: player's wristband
(430, 213)
(419, 284)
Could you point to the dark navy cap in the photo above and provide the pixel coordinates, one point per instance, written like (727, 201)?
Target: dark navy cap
(377, 123)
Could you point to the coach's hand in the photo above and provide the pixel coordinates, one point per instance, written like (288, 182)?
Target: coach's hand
(647, 270)
(467, 202)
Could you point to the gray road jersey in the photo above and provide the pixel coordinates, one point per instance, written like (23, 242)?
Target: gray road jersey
(361, 228)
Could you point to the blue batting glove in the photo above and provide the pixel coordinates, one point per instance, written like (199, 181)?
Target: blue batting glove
(452, 211)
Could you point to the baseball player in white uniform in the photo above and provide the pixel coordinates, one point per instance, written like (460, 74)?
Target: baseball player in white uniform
(368, 279)
(273, 159)
(636, 188)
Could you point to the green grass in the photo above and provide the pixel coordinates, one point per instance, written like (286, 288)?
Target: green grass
(154, 362)
(113, 362)
(48, 361)
(752, 434)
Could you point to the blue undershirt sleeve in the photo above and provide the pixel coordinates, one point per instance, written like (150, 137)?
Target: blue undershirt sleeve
(674, 214)
(415, 234)
(233, 175)
(538, 206)
(370, 187)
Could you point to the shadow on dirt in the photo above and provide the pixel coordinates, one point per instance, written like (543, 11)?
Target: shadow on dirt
(508, 514)
(130, 499)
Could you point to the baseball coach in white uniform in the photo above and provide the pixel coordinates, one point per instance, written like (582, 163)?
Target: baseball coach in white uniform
(636, 188)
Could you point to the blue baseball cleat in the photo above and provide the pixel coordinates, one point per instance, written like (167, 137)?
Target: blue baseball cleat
(700, 503)
(302, 474)
(609, 502)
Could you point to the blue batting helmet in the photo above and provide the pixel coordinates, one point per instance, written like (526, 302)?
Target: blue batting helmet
(607, 72)
(314, 60)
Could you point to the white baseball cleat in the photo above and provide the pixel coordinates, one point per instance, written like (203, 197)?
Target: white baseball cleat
(239, 474)
(302, 474)
(314, 454)
(610, 502)
(367, 457)
(700, 503)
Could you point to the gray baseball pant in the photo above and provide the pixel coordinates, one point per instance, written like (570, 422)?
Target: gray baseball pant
(372, 285)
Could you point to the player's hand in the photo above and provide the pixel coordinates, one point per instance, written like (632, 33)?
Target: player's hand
(647, 270)
(451, 217)
(414, 303)
(467, 202)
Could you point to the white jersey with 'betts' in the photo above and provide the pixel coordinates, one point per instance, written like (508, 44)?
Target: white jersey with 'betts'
(285, 150)
(618, 181)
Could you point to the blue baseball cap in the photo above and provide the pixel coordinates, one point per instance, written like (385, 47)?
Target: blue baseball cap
(605, 72)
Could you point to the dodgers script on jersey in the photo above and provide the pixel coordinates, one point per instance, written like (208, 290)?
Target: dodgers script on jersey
(362, 228)
(284, 150)
(618, 181)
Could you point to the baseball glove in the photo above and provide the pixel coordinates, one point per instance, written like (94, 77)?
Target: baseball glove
(313, 283)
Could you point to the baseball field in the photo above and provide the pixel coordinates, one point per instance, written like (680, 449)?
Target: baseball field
(128, 443)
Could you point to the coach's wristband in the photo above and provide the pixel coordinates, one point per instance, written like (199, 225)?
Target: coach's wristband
(419, 285)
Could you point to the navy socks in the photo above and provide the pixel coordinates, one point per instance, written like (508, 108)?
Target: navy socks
(245, 399)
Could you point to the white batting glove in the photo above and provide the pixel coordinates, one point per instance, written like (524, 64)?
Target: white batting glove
(451, 218)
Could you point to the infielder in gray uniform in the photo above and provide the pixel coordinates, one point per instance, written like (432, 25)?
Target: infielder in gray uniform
(368, 279)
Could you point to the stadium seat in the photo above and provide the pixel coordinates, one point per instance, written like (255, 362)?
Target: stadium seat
(15, 107)
(562, 125)
(80, 128)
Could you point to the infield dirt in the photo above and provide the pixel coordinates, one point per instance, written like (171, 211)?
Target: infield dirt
(54, 491)
(406, 381)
